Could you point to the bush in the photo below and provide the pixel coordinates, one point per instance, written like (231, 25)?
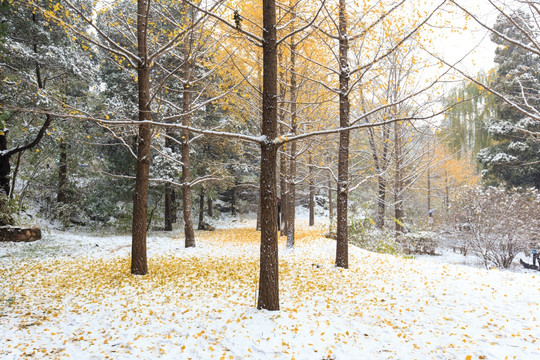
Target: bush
(497, 223)
(363, 233)
(422, 242)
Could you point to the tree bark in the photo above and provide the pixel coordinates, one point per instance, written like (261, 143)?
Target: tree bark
(342, 246)
(209, 206)
(139, 264)
(233, 201)
(330, 200)
(15, 172)
(283, 190)
(398, 182)
(187, 206)
(291, 193)
(381, 201)
(311, 195)
(189, 233)
(168, 208)
(62, 173)
(5, 166)
(169, 213)
(174, 206)
(201, 209)
(269, 270)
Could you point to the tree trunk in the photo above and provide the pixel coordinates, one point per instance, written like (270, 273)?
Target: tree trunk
(209, 207)
(186, 166)
(311, 195)
(291, 194)
(201, 209)
(5, 166)
(15, 172)
(168, 208)
(330, 200)
(62, 173)
(269, 269)
(398, 196)
(139, 264)
(169, 213)
(283, 191)
(342, 246)
(381, 201)
(174, 206)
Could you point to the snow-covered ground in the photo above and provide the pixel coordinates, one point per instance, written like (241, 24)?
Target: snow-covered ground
(70, 295)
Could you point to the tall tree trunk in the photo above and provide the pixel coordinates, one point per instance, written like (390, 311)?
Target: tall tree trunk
(269, 269)
(283, 190)
(342, 246)
(330, 200)
(291, 193)
(5, 166)
(381, 201)
(168, 207)
(62, 173)
(201, 209)
(168, 187)
(189, 233)
(139, 264)
(311, 194)
(429, 176)
(209, 206)
(398, 196)
(282, 153)
(174, 206)
(187, 207)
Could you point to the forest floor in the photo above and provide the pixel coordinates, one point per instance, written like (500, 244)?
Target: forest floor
(70, 295)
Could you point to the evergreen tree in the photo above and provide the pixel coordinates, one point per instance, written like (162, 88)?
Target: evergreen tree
(515, 157)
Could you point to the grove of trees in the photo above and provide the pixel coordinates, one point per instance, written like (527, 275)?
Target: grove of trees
(117, 113)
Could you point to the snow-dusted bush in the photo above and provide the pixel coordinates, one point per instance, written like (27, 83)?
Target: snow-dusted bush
(420, 242)
(497, 223)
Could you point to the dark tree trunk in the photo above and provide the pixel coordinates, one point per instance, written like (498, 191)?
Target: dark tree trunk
(269, 271)
(139, 265)
(311, 195)
(381, 201)
(168, 208)
(186, 166)
(233, 201)
(209, 207)
(283, 191)
(342, 246)
(398, 182)
(174, 206)
(282, 153)
(291, 193)
(201, 209)
(5, 166)
(62, 173)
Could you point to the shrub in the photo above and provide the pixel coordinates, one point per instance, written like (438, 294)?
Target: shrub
(497, 223)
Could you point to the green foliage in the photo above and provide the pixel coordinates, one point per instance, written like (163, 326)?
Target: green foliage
(7, 210)
(466, 122)
(515, 157)
(363, 233)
